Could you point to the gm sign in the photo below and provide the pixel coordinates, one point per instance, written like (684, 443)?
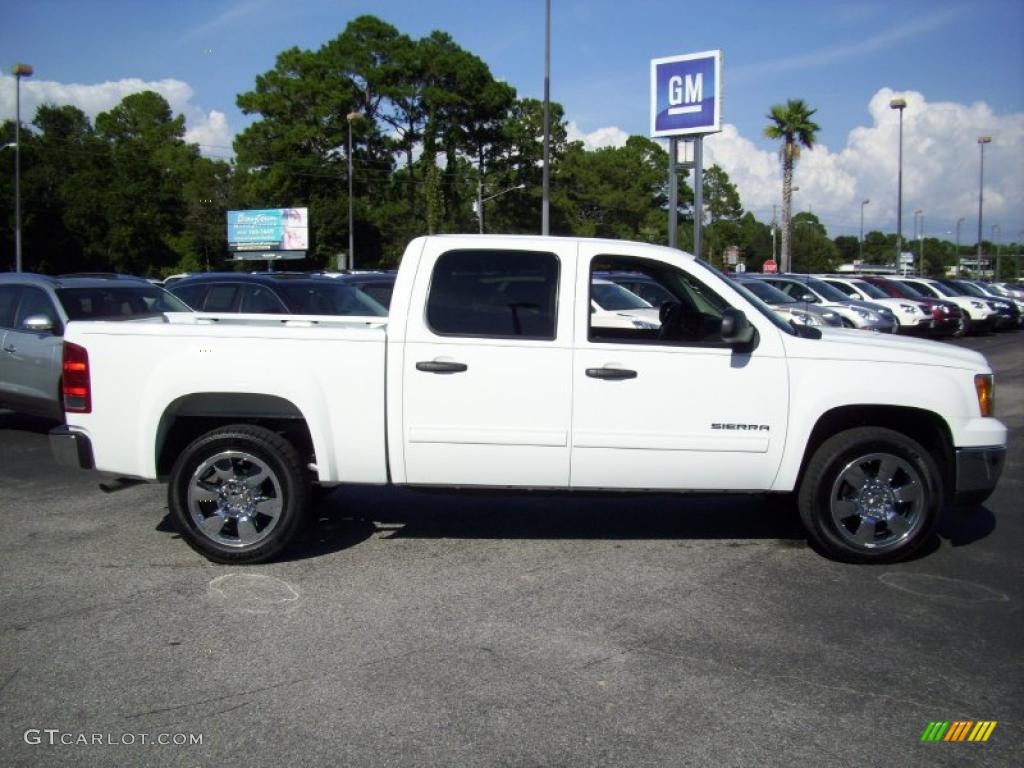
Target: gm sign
(686, 94)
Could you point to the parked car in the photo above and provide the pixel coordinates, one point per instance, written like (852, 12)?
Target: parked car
(274, 293)
(34, 310)
(377, 285)
(648, 289)
(612, 306)
(786, 306)
(810, 291)
(911, 316)
(979, 315)
(947, 318)
(1008, 315)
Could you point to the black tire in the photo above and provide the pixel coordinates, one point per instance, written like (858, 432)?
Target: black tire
(870, 495)
(239, 494)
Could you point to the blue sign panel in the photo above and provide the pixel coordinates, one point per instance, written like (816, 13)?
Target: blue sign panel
(686, 94)
(273, 229)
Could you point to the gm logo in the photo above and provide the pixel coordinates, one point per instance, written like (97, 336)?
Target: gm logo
(685, 94)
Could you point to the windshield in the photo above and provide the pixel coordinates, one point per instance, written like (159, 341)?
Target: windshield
(970, 290)
(944, 290)
(96, 303)
(826, 291)
(872, 291)
(767, 293)
(612, 297)
(330, 299)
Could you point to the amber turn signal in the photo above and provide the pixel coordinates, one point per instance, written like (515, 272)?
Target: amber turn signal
(986, 393)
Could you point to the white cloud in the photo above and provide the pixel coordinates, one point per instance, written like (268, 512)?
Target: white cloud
(940, 170)
(602, 137)
(209, 129)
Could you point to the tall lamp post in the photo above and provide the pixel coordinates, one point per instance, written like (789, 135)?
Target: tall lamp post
(479, 204)
(982, 141)
(19, 71)
(351, 220)
(920, 237)
(862, 204)
(899, 104)
(959, 261)
(997, 234)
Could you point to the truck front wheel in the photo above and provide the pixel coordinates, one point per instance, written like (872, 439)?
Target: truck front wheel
(239, 494)
(870, 495)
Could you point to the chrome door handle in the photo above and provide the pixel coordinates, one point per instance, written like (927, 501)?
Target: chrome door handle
(611, 373)
(439, 366)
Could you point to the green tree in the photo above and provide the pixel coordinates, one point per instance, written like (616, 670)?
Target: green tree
(848, 248)
(813, 251)
(614, 192)
(791, 123)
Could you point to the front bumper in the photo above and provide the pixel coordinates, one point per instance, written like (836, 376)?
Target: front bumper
(71, 449)
(977, 472)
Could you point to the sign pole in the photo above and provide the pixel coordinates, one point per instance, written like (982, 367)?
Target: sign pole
(673, 191)
(698, 194)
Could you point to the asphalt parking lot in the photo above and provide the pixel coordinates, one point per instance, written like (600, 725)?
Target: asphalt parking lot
(465, 629)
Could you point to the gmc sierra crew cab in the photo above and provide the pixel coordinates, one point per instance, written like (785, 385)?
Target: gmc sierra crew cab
(493, 370)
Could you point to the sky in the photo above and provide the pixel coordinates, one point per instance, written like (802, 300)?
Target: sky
(959, 65)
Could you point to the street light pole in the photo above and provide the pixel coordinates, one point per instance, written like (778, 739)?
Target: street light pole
(999, 251)
(351, 220)
(479, 205)
(982, 141)
(959, 261)
(920, 237)
(545, 215)
(19, 71)
(863, 203)
(899, 104)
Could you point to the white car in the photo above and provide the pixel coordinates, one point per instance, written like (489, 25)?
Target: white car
(911, 315)
(980, 316)
(613, 306)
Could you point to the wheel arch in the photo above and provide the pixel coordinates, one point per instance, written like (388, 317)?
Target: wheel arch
(193, 415)
(924, 426)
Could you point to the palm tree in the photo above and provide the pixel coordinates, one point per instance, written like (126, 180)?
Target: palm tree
(791, 123)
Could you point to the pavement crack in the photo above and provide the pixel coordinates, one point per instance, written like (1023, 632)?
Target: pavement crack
(199, 702)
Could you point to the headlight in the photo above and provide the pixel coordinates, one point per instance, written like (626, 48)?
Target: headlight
(908, 308)
(861, 313)
(977, 305)
(799, 318)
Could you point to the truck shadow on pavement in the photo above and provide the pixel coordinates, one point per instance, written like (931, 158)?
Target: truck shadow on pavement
(22, 422)
(349, 515)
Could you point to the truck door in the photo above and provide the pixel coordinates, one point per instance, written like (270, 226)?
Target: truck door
(668, 405)
(486, 370)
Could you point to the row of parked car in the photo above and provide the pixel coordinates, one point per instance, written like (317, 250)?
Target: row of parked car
(34, 309)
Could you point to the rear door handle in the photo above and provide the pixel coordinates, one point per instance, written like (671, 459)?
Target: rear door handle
(440, 366)
(611, 373)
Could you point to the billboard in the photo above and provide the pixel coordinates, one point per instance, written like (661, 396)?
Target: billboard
(686, 94)
(272, 229)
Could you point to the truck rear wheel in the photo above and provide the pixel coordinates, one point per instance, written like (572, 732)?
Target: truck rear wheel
(870, 495)
(239, 494)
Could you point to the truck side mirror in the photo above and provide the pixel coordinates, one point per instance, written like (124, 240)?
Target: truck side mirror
(736, 329)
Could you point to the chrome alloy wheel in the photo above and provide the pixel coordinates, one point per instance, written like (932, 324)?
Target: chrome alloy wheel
(234, 499)
(877, 501)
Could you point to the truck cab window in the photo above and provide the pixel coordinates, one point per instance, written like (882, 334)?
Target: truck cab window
(497, 294)
(647, 302)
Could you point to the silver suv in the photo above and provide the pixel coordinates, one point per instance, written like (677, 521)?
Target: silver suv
(34, 309)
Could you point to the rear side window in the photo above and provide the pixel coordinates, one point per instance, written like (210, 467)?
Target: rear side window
(259, 300)
(8, 300)
(379, 292)
(191, 294)
(502, 294)
(120, 301)
(221, 298)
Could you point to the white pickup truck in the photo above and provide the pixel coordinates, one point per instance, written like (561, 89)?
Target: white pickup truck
(491, 372)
